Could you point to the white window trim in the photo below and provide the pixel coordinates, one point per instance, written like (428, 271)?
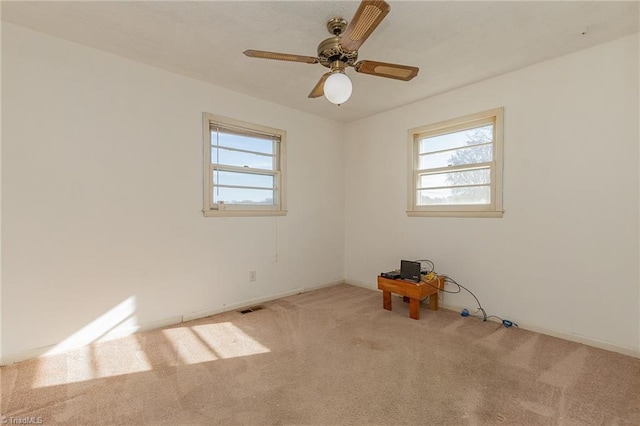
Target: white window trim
(494, 209)
(236, 210)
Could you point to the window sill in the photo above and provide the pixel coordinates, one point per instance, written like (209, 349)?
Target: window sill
(243, 213)
(443, 213)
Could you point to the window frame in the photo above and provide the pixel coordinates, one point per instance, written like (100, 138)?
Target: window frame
(279, 173)
(495, 208)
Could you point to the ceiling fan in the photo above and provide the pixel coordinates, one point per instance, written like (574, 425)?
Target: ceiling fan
(341, 51)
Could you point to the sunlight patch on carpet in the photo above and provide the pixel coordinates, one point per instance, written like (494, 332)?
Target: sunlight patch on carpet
(90, 363)
(228, 341)
(190, 347)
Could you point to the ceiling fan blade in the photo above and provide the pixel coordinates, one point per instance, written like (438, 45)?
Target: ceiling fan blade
(383, 69)
(367, 18)
(318, 90)
(280, 56)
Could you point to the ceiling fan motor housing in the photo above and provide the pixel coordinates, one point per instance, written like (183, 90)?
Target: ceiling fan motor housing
(330, 51)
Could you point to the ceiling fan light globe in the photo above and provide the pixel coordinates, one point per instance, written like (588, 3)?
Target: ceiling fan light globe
(338, 88)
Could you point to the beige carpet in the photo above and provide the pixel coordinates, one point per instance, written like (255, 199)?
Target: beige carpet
(331, 356)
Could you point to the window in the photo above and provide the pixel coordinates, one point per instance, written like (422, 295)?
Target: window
(455, 167)
(243, 168)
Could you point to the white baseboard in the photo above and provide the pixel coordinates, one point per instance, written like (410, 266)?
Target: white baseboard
(245, 303)
(232, 306)
(25, 355)
(361, 284)
(589, 341)
(165, 322)
(319, 286)
(596, 343)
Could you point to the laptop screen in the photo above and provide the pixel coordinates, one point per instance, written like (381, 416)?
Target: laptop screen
(410, 270)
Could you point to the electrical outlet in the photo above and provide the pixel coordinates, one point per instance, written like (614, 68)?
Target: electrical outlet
(252, 275)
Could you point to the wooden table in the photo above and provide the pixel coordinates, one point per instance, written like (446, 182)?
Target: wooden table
(413, 292)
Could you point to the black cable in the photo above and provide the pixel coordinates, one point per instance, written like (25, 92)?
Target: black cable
(495, 316)
(476, 314)
(505, 322)
(449, 280)
(430, 264)
(442, 289)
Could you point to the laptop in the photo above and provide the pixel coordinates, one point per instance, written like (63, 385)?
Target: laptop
(410, 270)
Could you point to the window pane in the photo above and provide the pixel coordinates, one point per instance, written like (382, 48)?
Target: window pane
(243, 179)
(459, 139)
(248, 143)
(241, 159)
(465, 195)
(262, 197)
(460, 178)
(458, 157)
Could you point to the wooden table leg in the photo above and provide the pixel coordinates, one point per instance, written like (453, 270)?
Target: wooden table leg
(433, 302)
(386, 300)
(414, 308)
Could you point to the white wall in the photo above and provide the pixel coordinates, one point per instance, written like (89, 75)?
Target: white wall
(102, 196)
(564, 258)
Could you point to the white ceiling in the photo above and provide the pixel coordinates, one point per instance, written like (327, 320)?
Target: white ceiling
(454, 43)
